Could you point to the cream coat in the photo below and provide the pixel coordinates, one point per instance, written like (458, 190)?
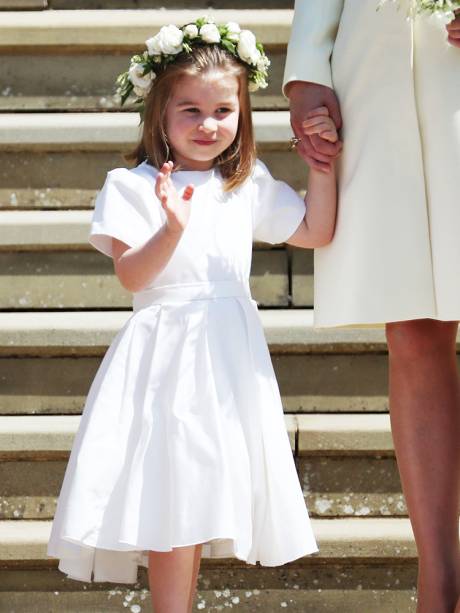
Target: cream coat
(396, 252)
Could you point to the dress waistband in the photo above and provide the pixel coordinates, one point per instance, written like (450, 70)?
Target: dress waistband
(172, 294)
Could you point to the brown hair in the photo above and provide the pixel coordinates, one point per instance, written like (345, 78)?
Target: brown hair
(237, 161)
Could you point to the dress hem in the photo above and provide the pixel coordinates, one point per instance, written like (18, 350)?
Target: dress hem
(311, 550)
(374, 323)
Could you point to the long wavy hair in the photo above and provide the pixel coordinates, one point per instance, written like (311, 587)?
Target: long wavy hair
(237, 161)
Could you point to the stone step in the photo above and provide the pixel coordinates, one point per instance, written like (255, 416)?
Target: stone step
(85, 280)
(35, 276)
(309, 382)
(23, 5)
(345, 463)
(47, 436)
(47, 198)
(265, 100)
(242, 601)
(329, 370)
(362, 562)
(333, 487)
(115, 29)
(110, 37)
(306, 574)
(105, 131)
(171, 4)
(89, 334)
(72, 151)
(52, 199)
(355, 539)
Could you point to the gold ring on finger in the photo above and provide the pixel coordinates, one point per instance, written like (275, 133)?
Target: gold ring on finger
(294, 141)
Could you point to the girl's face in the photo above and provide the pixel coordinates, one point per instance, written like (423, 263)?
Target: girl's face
(202, 118)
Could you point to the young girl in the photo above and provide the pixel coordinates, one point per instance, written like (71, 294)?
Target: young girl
(182, 448)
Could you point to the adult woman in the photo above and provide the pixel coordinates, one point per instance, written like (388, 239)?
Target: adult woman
(395, 257)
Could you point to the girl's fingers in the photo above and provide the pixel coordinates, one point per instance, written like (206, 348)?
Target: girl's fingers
(188, 192)
(321, 119)
(166, 169)
(330, 136)
(321, 111)
(318, 126)
(159, 184)
(319, 129)
(314, 121)
(321, 146)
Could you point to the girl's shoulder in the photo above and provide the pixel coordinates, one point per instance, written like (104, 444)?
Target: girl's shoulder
(261, 177)
(260, 170)
(133, 176)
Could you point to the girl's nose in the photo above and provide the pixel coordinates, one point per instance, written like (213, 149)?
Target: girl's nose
(209, 125)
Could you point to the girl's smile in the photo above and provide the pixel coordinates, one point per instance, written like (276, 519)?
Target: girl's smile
(205, 142)
(202, 118)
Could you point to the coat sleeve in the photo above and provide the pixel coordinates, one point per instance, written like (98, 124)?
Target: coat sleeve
(314, 28)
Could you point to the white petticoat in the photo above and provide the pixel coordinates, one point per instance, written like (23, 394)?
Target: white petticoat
(182, 441)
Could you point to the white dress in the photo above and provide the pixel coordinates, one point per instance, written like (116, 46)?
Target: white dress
(182, 438)
(396, 250)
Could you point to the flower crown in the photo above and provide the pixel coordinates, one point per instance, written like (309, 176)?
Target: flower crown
(163, 48)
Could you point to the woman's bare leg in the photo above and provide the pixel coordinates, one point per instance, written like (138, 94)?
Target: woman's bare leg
(425, 419)
(171, 579)
(196, 570)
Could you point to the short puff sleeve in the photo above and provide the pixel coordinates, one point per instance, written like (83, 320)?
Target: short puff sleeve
(122, 211)
(277, 209)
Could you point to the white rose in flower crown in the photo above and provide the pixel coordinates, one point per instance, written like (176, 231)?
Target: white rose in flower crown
(210, 33)
(168, 41)
(247, 49)
(233, 31)
(140, 81)
(263, 63)
(191, 30)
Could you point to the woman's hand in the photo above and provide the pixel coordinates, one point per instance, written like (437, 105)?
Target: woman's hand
(319, 122)
(177, 208)
(304, 97)
(453, 30)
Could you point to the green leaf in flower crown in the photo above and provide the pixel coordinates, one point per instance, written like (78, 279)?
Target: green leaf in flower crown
(125, 96)
(227, 44)
(201, 21)
(187, 48)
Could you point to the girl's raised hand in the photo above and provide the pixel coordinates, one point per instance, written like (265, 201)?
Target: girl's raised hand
(319, 122)
(177, 208)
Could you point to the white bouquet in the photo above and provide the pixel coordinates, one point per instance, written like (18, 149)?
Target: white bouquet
(442, 8)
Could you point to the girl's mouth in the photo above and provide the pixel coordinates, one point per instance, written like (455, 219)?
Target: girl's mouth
(205, 142)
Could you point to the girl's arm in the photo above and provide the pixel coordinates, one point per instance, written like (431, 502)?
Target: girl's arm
(317, 227)
(137, 267)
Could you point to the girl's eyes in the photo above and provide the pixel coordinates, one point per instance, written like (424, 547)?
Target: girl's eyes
(220, 111)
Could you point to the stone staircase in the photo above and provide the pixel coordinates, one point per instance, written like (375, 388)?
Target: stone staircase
(60, 306)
